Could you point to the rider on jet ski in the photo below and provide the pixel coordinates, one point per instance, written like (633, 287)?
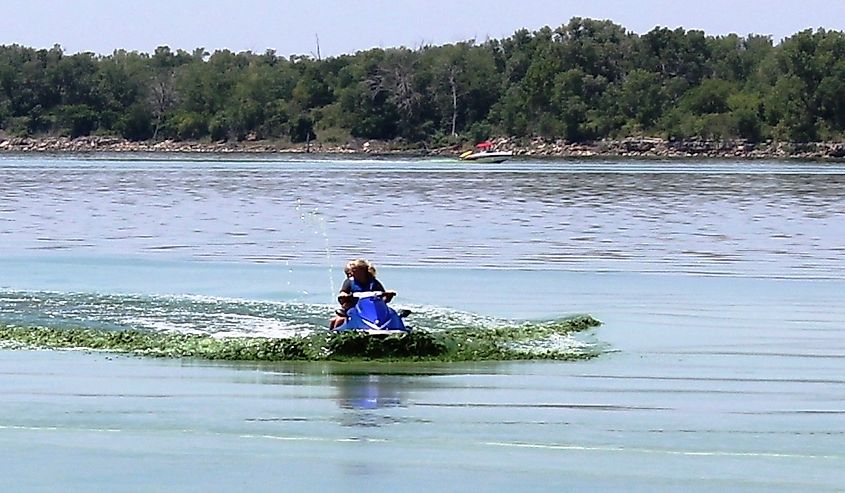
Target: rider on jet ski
(360, 276)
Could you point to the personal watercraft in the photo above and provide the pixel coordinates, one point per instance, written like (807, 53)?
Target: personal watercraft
(372, 315)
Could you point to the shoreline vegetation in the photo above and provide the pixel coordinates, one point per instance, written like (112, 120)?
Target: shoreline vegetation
(632, 147)
(585, 88)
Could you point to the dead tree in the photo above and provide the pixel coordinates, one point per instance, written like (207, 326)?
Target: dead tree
(162, 96)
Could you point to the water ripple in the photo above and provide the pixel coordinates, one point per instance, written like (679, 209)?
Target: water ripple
(762, 219)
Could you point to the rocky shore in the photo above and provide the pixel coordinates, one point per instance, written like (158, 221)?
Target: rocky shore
(646, 147)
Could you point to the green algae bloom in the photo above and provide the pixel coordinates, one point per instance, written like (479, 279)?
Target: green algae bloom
(521, 341)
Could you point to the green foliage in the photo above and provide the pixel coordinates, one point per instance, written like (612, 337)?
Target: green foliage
(302, 129)
(135, 123)
(711, 96)
(641, 98)
(189, 125)
(587, 79)
(75, 120)
(746, 111)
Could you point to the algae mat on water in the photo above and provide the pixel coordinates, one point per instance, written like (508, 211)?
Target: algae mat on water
(541, 340)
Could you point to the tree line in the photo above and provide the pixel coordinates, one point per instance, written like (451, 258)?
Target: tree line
(585, 80)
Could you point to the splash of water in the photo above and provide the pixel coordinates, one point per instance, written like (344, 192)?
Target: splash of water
(316, 218)
(221, 328)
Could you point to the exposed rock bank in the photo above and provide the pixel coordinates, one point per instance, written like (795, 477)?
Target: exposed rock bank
(646, 147)
(661, 148)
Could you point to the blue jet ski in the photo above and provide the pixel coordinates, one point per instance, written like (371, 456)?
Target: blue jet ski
(372, 315)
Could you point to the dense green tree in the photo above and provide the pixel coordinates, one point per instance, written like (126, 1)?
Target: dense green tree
(641, 98)
(587, 79)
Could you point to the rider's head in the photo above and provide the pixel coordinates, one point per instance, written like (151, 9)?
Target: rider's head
(360, 269)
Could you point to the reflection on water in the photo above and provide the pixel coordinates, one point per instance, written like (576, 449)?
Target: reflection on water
(362, 396)
(368, 391)
(759, 219)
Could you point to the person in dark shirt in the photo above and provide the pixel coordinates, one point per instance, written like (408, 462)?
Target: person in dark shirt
(360, 277)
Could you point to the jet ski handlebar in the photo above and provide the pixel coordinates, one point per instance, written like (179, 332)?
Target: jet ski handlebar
(368, 294)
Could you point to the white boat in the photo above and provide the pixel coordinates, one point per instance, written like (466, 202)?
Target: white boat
(484, 153)
(486, 156)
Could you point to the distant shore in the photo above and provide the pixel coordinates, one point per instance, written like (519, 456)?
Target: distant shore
(647, 147)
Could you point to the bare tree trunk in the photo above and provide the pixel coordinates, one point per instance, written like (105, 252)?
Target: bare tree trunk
(453, 84)
(163, 96)
(158, 125)
(396, 78)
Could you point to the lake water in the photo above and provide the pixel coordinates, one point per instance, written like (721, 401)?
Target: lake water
(719, 285)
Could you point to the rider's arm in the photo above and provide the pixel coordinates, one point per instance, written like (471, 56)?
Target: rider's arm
(346, 287)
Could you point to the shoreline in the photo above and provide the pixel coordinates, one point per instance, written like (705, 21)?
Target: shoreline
(635, 147)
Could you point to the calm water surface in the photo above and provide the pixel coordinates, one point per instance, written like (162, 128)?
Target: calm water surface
(719, 284)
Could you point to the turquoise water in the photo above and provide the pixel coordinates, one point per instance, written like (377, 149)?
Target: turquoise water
(718, 284)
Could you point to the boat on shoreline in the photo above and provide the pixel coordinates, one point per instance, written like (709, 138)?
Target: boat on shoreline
(484, 153)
